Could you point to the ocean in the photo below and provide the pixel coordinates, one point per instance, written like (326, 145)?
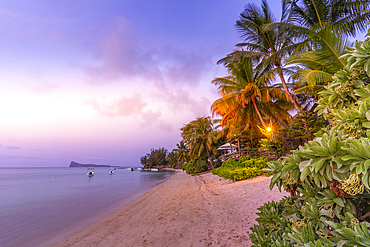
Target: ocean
(38, 206)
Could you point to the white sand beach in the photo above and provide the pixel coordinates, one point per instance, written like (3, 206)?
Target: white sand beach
(183, 211)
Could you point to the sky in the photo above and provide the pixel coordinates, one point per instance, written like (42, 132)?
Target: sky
(104, 82)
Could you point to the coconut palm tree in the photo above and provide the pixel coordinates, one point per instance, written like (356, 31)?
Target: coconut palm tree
(347, 17)
(248, 99)
(182, 152)
(315, 68)
(201, 138)
(269, 47)
(320, 27)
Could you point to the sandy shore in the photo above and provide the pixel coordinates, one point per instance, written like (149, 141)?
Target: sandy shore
(183, 211)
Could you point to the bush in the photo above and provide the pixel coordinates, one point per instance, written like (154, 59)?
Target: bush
(328, 177)
(243, 169)
(195, 166)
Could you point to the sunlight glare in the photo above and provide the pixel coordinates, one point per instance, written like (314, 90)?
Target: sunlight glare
(26, 108)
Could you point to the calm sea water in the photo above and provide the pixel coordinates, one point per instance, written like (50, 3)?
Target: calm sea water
(41, 205)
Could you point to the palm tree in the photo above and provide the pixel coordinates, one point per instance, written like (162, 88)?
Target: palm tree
(270, 46)
(182, 152)
(248, 97)
(346, 17)
(172, 158)
(315, 68)
(201, 138)
(319, 28)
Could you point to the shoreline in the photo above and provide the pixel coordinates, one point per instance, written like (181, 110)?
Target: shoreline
(185, 210)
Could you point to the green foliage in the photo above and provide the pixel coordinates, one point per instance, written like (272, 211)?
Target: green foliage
(201, 138)
(304, 126)
(243, 169)
(274, 144)
(328, 177)
(156, 157)
(172, 158)
(182, 152)
(195, 166)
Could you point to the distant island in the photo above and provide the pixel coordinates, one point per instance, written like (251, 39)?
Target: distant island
(75, 164)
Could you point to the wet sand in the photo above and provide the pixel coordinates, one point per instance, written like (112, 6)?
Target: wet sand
(186, 210)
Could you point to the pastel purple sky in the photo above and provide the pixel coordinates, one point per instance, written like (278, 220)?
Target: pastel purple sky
(105, 81)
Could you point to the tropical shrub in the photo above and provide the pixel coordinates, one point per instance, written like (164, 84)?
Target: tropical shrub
(195, 166)
(304, 126)
(329, 177)
(274, 144)
(242, 169)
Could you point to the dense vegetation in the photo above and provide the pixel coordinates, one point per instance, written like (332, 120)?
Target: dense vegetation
(195, 166)
(156, 157)
(244, 168)
(329, 177)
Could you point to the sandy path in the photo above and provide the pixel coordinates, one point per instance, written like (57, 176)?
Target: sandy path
(183, 211)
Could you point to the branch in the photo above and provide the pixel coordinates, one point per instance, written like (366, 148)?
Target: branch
(363, 217)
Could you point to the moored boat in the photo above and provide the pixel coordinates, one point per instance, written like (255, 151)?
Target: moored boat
(111, 171)
(90, 172)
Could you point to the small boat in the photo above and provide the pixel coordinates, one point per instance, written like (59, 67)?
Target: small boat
(154, 169)
(90, 172)
(139, 168)
(111, 171)
(129, 169)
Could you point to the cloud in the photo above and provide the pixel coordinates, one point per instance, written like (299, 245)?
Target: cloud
(39, 84)
(181, 100)
(13, 147)
(165, 126)
(96, 158)
(20, 15)
(38, 150)
(131, 106)
(125, 106)
(41, 87)
(149, 118)
(7, 157)
(32, 26)
(124, 56)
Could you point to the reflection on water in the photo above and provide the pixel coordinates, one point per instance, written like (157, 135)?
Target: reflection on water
(154, 176)
(47, 203)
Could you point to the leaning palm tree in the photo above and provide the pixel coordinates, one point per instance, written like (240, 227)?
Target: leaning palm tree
(248, 99)
(269, 47)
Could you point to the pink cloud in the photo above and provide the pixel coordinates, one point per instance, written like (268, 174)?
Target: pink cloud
(125, 106)
(125, 56)
(165, 126)
(149, 117)
(39, 84)
(180, 100)
(41, 87)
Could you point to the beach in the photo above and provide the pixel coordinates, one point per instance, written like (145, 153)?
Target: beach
(203, 210)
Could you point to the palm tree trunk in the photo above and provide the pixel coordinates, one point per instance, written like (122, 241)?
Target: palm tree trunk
(210, 158)
(258, 112)
(288, 94)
